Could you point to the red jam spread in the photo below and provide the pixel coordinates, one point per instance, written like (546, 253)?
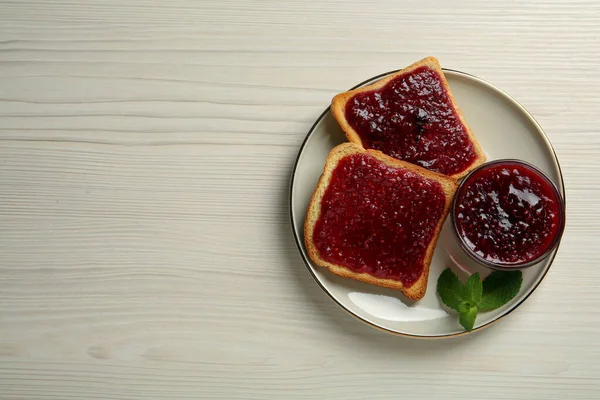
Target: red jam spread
(378, 219)
(508, 213)
(412, 118)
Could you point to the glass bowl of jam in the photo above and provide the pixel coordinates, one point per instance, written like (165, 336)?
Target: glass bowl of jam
(508, 214)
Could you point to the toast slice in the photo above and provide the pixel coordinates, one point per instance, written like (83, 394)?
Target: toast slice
(377, 219)
(411, 115)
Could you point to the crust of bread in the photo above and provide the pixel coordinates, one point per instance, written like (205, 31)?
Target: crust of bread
(338, 105)
(449, 185)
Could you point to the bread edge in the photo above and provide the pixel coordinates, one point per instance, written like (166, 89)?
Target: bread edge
(339, 102)
(449, 186)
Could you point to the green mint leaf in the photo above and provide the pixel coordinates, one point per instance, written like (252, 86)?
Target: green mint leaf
(467, 319)
(473, 288)
(499, 288)
(450, 289)
(464, 306)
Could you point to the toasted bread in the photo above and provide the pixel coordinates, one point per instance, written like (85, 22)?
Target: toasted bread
(340, 101)
(417, 289)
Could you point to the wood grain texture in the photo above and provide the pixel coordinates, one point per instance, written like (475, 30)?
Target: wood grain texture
(145, 154)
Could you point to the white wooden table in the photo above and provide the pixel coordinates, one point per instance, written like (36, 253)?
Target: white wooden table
(145, 155)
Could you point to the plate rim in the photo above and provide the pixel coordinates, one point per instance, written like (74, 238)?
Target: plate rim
(383, 328)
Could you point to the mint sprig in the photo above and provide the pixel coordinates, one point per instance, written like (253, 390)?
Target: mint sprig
(499, 288)
(474, 295)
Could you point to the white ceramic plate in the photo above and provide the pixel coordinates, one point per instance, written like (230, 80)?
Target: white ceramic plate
(505, 130)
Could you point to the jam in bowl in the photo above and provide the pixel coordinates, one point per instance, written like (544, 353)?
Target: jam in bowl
(507, 214)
